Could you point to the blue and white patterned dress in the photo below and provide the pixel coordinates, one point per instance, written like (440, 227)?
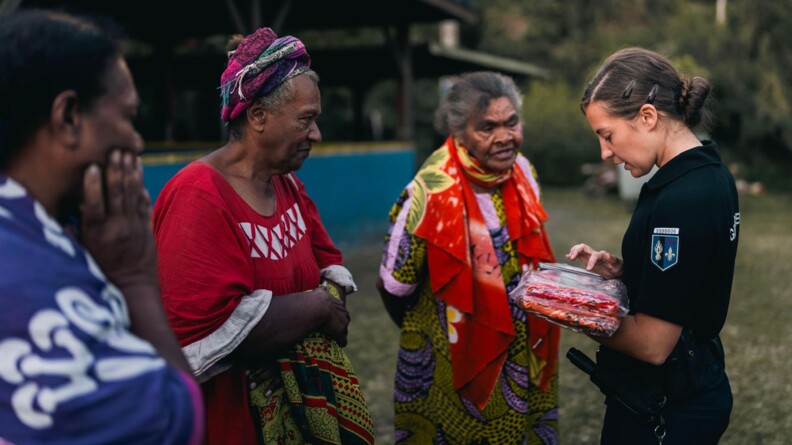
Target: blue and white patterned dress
(71, 372)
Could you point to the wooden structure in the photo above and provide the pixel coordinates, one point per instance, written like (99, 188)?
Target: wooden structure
(176, 71)
(161, 71)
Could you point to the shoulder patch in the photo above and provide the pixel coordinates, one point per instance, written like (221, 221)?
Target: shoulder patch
(664, 249)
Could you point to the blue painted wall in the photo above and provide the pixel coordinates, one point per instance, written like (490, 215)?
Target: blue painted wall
(353, 188)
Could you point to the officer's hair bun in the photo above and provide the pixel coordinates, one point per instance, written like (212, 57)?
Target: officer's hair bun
(692, 96)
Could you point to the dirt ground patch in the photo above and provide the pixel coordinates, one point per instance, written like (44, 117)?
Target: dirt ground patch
(757, 335)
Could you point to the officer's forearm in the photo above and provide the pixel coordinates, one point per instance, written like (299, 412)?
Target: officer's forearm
(644, 337)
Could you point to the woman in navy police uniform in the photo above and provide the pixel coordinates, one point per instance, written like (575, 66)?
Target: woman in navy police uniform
(678, 251)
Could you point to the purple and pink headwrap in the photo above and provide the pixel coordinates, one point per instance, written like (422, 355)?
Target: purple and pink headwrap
(261, 62)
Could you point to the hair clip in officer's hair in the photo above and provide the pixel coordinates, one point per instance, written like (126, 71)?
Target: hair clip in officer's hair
(628, 91)
(652, 94)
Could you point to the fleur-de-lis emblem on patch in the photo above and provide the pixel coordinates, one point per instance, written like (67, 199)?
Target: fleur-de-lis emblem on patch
(670, 254)
(658, 251)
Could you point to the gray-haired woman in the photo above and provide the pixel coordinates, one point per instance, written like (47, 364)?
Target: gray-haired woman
(472, 367)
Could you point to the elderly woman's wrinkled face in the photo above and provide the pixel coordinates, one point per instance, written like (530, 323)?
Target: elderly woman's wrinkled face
(494, 137)
(292, 130)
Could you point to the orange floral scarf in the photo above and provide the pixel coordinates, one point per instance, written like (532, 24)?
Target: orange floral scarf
(464, 270)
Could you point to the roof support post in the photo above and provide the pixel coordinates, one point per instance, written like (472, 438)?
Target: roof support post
(164, 86)
(255, 14)
(280, 18)
(403, 54)
(361, 125)
(235, 17)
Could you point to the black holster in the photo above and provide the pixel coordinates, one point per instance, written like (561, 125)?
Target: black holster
(694, 367)
(646, 403)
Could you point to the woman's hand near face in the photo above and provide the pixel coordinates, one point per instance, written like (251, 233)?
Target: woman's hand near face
(597, 261)
(116, 230)
(116, 222)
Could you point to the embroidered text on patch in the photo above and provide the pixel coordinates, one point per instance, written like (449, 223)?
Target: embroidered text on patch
(733, 230)
(667, 230)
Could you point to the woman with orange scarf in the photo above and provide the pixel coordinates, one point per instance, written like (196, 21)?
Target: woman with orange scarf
(472, 366)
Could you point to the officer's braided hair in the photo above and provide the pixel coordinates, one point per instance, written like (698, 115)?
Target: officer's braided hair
(632, 77)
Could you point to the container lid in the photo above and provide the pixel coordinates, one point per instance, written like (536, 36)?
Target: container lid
(563, 267)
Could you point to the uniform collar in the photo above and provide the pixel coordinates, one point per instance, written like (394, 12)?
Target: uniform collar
(706, 154)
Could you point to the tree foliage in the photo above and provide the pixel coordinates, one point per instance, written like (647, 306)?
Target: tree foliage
(747, 59)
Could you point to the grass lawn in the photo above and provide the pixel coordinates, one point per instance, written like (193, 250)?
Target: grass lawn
(757, 335)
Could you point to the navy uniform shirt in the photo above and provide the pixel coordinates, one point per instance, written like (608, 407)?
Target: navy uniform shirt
(680, 247)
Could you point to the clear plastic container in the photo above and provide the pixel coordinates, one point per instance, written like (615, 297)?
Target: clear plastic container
(573, 298)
